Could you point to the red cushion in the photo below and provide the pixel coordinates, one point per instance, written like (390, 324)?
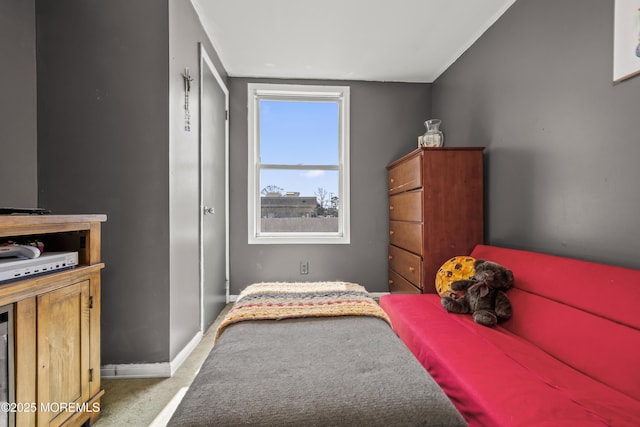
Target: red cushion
(607, 351)
(595, 328)
(495, 378)
(581, 284)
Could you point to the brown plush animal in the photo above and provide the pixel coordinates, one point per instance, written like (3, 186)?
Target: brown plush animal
(484, 296)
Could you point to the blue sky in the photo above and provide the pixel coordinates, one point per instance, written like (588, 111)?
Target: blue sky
(298, 132)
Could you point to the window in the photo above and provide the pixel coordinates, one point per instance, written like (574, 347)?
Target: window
(298, 164)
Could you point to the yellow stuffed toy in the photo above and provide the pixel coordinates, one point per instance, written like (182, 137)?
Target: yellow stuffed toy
(456, 268)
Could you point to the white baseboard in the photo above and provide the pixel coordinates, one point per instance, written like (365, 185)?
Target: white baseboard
(136, 370)
(185, 352)
(163, 418)
(151, 370)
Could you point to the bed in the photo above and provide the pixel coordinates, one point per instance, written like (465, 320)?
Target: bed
(311, 354)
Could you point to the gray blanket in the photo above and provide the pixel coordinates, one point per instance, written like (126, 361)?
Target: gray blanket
(336, 371)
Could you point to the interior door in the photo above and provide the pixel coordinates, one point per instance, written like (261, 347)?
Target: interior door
(214, 191)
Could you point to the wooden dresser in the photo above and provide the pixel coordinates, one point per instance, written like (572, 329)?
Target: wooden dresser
(56, 318)
(435, 213)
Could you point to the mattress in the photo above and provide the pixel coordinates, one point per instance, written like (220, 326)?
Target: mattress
(313, 371)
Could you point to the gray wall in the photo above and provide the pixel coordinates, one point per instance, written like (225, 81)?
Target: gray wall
(103, 129)
(535, 90)
(563, 147)
(111, 140)
(386, 119)
(18, 130)
(185, 31)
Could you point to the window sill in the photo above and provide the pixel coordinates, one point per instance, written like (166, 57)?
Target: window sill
(297, 239)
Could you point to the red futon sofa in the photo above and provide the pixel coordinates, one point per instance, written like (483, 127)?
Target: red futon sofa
(569, 356)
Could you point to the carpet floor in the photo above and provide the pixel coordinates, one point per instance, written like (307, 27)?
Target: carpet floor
(148, 401)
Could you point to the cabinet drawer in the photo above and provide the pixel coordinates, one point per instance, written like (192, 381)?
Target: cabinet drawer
(406, 235)
(399, 285)
(406, 175)
(406, 264)
(406, 206)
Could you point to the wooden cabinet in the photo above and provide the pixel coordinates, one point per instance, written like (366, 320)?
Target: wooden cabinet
(57, 323)
(435, 213)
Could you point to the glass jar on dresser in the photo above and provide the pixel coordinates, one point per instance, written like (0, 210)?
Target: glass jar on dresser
(435, 213)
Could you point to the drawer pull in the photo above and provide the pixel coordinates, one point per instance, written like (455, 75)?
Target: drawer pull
(391, 180)
(411, 269)
(391, 232)
(390, 282)
(391, 207)
(390, 257)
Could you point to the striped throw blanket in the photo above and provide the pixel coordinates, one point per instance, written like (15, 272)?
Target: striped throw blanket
(276, 301)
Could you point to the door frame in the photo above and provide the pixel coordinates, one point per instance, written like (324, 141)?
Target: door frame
(205, 60)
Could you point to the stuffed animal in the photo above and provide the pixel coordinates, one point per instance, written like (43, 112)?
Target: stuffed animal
(454, 269)
(484, 296)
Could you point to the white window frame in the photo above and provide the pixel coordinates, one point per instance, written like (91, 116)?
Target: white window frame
(340, 94)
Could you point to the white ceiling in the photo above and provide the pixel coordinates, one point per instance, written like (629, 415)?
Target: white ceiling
(378, 40)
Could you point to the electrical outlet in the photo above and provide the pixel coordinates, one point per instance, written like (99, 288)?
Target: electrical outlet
(304, 267)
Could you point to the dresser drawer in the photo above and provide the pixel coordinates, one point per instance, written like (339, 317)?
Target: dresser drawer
(406, 264)
(406, 235)
(406, 175)
(399, 285)
(406, 206)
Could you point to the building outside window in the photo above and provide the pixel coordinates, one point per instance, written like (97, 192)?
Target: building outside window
(298, 189)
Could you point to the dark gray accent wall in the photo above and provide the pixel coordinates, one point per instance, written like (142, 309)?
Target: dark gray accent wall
(103, 124)
(562, 140)
(386, 119)
(18, 130)
(112, 140)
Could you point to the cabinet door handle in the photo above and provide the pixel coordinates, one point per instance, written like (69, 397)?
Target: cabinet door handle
(391, 180)
(411, 269)
(391, 207)
(391, 232)
(390, 257)
(390, 282)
